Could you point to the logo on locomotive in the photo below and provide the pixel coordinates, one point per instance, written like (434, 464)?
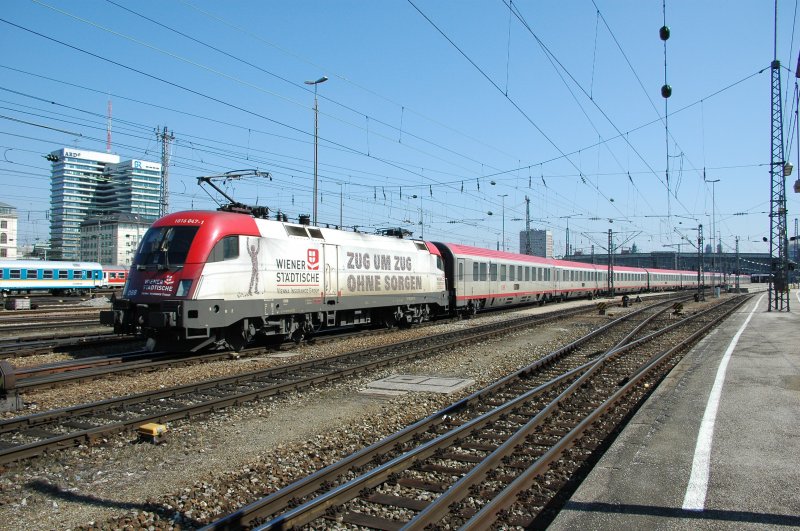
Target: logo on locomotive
(313, 259)
(299, 277)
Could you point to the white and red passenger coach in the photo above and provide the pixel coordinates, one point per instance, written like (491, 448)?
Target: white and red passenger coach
(222, 279)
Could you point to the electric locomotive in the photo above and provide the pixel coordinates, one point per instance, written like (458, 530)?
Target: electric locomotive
(205, 279)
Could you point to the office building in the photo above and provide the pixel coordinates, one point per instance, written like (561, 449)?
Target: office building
(112, 239)
(88, 184)
(541, 242)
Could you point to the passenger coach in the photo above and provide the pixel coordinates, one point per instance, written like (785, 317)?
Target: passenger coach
(56, 277)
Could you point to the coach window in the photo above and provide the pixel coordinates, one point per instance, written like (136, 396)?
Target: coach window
(15, 273)
(483, 271)
(503, 272)
(475, 276)
(527, 273)
(63, 274)
(461, 271)
(519, 272)
(511, 273)
(47, 274)
(493, 272)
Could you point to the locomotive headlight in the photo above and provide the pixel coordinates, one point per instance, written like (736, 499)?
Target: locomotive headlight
(183, 288)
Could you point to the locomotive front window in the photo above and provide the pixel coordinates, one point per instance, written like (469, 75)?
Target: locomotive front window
(165, 246)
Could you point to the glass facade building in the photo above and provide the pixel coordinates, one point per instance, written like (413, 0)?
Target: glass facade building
(88, 184)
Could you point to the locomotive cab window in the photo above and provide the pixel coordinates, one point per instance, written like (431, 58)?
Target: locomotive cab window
(315, 233)
(225, 249)
(165, 246)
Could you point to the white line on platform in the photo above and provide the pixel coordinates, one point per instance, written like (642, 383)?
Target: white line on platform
(697, 488)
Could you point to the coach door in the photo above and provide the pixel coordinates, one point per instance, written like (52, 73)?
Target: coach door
(461, 276)
(331, 272)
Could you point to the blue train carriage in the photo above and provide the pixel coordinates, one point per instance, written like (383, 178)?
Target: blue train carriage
(56, 277)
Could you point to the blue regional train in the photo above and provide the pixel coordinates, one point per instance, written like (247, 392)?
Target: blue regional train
(56, 277)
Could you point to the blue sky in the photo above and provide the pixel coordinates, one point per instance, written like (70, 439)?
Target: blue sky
(457, 103)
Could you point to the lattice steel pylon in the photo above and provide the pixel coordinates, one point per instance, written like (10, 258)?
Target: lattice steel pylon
(166, 138)
(778, 239)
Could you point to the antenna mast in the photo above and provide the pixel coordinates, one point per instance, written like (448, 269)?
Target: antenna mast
(108, 128)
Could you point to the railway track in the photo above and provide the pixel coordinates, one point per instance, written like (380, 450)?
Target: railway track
(475, 464)
(28, 436)
(90, 368)
(46, 343)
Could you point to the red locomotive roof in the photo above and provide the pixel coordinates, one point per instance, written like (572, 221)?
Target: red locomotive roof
(432, 248)
(213, 226)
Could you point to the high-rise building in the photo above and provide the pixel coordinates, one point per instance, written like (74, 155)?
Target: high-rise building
(136, 188)
(541, 243)
(8, 232)
(90, 184)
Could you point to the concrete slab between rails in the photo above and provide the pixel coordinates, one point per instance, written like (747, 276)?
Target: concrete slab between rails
(281, 355)
(419, 383)
(752, 466)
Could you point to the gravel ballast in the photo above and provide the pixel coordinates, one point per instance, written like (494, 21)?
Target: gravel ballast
(214, 464)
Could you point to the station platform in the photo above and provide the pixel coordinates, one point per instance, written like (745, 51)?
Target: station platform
(717, 444)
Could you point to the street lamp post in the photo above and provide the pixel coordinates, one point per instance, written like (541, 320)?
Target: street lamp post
(503, 196)
(714, 243)
(323, 79)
